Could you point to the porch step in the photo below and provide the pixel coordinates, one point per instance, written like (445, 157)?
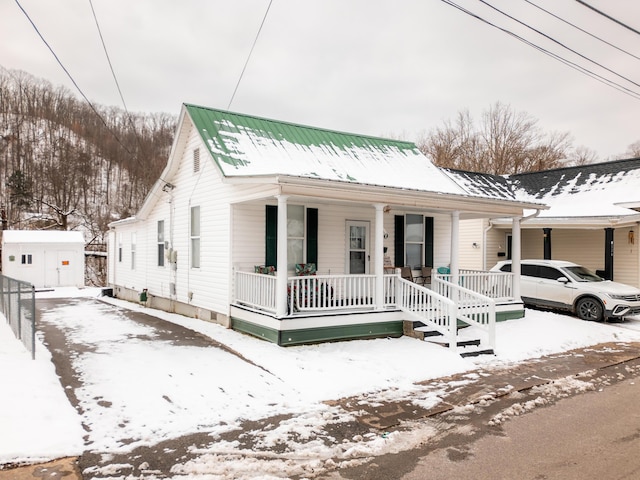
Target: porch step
(477, 353)
(467, 347)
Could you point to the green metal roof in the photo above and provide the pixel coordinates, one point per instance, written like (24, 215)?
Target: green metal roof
(244, 145)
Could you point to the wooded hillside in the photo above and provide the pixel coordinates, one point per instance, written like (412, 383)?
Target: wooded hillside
(65, 166)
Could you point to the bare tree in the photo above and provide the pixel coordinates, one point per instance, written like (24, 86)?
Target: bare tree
(581, 156)
(505, 142)
(633, 150)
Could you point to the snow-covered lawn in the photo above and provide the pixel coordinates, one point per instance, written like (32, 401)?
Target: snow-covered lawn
(191, 389)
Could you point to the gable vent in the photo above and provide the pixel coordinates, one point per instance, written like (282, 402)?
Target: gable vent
(196, 160)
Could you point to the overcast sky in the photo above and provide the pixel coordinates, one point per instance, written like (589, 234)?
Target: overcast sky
(374, 67)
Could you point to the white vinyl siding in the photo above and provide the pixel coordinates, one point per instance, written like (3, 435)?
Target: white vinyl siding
(470, 255)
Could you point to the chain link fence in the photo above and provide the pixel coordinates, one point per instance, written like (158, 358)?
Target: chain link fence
(18, 304)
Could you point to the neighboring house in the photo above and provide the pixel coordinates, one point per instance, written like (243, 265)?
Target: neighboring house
(292, 233)
(45, 258)
(593, 218)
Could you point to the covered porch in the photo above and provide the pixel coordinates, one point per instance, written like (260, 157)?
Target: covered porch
(334, 304)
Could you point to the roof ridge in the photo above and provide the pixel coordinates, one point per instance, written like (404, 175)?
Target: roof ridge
(300, 125)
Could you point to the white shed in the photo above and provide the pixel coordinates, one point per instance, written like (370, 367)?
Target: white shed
(44, 258)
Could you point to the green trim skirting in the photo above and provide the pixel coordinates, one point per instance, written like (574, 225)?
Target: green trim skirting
(320, 334)
(509, 315)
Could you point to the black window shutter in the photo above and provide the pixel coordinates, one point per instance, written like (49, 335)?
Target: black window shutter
(399, 240)
(312, 236)
(428, 241)
(271, 236)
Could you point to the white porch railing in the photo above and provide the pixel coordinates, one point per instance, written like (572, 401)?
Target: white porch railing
(471, 307)
(256, 290)
(337, 292)
(496, 285)
(439, 307)
(432, 309)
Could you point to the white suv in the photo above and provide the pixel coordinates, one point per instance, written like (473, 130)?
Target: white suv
(567, 286)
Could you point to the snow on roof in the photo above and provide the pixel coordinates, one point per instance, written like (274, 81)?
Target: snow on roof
(482, 184)
(246, 146)
(594, 190)
(42, 236)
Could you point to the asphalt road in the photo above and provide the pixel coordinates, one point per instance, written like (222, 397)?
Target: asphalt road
(593, 435)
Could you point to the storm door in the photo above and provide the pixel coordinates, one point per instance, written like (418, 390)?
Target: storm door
(357, 247)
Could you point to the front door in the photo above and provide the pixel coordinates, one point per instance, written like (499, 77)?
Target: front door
(357, 247)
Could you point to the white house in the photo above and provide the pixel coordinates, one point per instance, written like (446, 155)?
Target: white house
(292, 233)
(45, 258)
(593, 218)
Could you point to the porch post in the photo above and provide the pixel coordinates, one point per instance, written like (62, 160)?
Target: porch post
(281, 262)
(515, 256)
(547, 243)
(608, 253)
(378, 256)
(455, 241)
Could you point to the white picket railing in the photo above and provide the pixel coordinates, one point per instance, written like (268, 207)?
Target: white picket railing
(439, 307)
(471, 307)
(256, 290)
(496, 285)
(432, 309)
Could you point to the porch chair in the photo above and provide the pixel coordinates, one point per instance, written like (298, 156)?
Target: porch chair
(304, 269)
(425, 276)
(405, 272)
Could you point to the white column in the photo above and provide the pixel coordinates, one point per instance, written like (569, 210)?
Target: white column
(515, 256)
(378, 256)
(455, 247)
(281, 267)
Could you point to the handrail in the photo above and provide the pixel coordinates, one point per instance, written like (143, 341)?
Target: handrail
(429, 307)
(496, 285)
(472, 307)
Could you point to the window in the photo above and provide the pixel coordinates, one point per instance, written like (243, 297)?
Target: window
(195, 237)
(133, 251)
(302, 235)
(549, 273)
(196, 160)
(119, 247)
(27, 259)
(414, 240)
(161, 243)
(295, 235)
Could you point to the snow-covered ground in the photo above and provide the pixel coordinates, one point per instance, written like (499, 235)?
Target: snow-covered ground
(210, 390)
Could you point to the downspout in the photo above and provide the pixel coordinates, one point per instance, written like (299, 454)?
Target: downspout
(484, 244)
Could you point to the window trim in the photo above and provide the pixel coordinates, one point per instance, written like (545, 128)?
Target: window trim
(195, 237)
(160, 243)
(408, 242)
(133, 250)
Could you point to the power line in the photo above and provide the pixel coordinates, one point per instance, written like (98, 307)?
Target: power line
(567, 62)
(104, 122)
(583, 30)
(72, 79)
(106, 53)
(264, 18)
(608, 16)
(548, 37)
